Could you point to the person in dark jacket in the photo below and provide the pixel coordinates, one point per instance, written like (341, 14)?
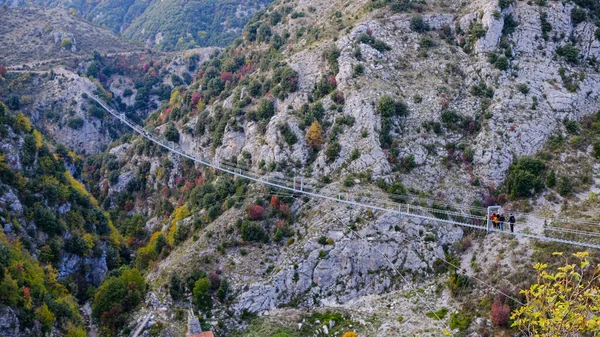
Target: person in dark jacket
(502, 219)
(512, 221)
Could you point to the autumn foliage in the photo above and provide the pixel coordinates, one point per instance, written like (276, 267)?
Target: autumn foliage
(255, 212)
(314, 136)
(500, 313)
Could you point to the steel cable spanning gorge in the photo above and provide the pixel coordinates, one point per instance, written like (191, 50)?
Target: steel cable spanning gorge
(460, 215)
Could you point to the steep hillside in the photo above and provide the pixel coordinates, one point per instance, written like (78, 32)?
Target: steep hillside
(444, 101)
(436, 101)
(34, 34)
(56, 102)
(56, 245)
(456, 105)
(170, 25)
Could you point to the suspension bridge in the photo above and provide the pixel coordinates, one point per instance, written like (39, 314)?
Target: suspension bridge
(569, 231)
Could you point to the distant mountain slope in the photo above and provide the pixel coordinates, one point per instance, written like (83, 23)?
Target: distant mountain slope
(177, 24)
(32, 34)
(170, 24)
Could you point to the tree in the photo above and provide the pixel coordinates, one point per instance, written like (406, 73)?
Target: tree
(4, 259)
(561, 303)
(45, 316)
(255, 212)
(578, 15)
(314, 136)
(171, 133)
(202, 293)
(3, 71)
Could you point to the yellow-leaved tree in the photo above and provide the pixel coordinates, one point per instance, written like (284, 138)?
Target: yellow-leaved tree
(562, 303)
(314, 136)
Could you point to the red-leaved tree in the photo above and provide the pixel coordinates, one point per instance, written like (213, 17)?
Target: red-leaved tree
(274, 201)
(255, 212)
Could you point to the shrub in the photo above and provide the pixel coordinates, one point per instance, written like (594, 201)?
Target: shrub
(265, 109)
(66, 43)
(457, 283)
(287, 133)
(525, 176)
(560, 300)
(501, 63)
(75, 123)
(578, 15)
(359, 69)
(350, 334)
(252, 232)
(569, 52)
(505, 3)
(417, 24)
(387, 107)
(332, 55)
(373, 42)
(322, 240)
(460, 321)
(565, 187)
(332, 152)
(523, 88)
(326, 85)
(500, 313)
(171, 133)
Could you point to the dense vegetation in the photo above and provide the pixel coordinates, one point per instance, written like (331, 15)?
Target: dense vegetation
(189, 24)
(56, 204)
(181, 24)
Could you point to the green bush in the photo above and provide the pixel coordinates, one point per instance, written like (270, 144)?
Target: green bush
(358, 70)
(525, 177)
(578, 15)
(252, 231)
(505, 3)
(418, 24)
(287, 133)
(388, 107)
(201, 292)
(373, 42)
(501, 63)
(565, 187)
(460, 320)
(75, 123)
(171, 133)
(332, 152)
(569, 52)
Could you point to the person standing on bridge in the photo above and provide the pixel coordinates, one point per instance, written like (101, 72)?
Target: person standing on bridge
(511, 221)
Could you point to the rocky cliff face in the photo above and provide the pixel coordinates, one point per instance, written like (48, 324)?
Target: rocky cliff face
(481, 85)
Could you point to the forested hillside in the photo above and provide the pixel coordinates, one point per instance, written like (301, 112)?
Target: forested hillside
(169, 24)
(57, 245)
(447, 107)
